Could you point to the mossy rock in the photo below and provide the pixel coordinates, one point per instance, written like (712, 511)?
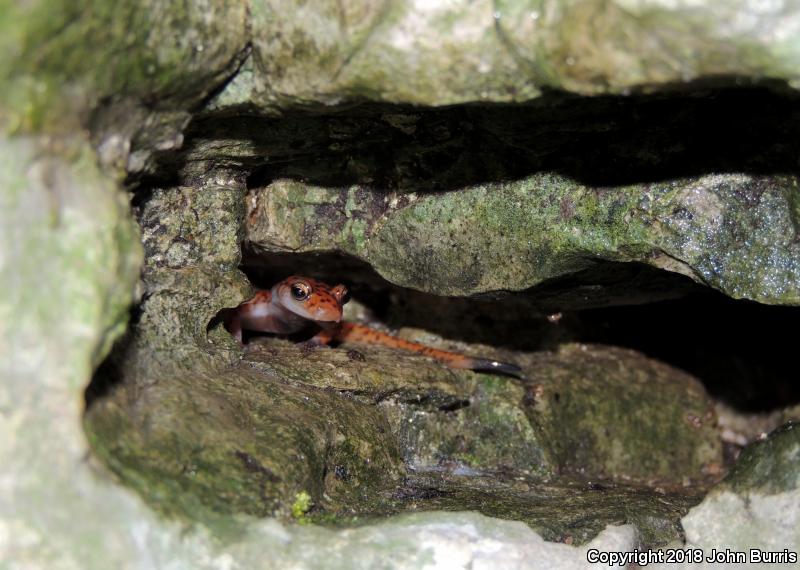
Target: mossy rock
(384, 433)
(770, 466)
(513, 236)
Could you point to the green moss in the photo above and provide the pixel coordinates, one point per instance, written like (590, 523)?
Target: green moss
(496, 237)
(301, 505)
(513, 236)
(65, 57)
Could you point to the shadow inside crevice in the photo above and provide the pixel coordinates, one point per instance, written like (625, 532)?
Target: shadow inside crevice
(601, 141)
(742, 351)
(109, 374)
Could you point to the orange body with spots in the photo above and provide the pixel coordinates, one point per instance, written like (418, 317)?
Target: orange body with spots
(298, 303)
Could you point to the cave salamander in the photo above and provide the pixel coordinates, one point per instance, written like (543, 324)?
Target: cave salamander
(297, 303)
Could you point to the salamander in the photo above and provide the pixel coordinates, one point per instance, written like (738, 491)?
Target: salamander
(297, 303)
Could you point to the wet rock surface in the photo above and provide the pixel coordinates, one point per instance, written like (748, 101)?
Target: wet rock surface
(205, 430)
(422, 416)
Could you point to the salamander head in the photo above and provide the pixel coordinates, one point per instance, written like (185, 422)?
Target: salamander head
(311, 299)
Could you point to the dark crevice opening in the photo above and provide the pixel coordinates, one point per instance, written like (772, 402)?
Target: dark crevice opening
(602, 141)
(742, 351)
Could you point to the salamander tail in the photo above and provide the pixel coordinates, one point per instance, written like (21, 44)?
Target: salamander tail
(351, 332)
(486, 365)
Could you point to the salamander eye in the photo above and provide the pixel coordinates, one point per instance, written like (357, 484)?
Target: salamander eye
(345, 296)
(300, 291)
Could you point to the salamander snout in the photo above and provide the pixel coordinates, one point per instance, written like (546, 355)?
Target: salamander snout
(327, 313)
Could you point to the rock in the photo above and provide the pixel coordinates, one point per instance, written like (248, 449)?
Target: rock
(654, 407)
(513, 236)
(205, 449)
(551, 423)
(768, 467)
(70, 259)
(390, 432)
(187, 439)
(445, 54)
(458, 540)
(62, 510)
(205, 432)
(65, 59)
(761, 494)
(206, 438)
(409, 53)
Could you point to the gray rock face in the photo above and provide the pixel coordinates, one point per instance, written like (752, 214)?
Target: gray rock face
(70, 258)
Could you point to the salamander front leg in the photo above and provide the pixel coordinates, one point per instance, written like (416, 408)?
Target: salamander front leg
(233, 323)
(322, 339)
